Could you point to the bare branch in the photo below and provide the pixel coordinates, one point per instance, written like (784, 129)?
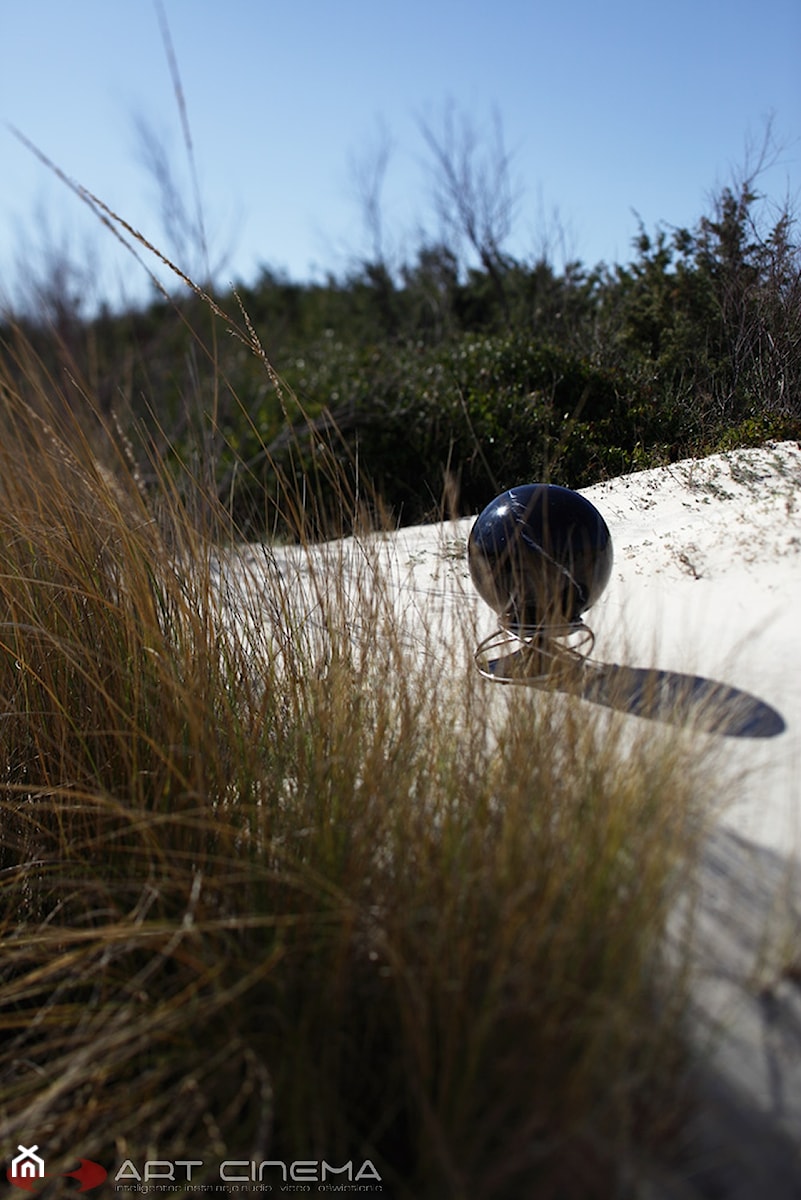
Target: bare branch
(368, 171)
(178, 226)
(473, 192)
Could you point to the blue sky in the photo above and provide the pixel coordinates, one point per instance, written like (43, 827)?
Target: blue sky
(609, 109)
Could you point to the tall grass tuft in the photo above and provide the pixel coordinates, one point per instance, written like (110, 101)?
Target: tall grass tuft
(277, 885)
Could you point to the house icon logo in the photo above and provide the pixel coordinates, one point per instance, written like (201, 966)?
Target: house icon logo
(28, 1164)
(27, 1172)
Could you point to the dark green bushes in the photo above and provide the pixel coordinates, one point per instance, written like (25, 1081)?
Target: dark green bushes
(435, 386)
(445, 427)
(714, 316)
(469, 416)
(440, 387)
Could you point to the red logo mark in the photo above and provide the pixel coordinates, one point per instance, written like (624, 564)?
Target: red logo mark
(89, 1174)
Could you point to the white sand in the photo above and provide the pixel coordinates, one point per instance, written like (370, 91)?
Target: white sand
(706, 581)
(708, 575)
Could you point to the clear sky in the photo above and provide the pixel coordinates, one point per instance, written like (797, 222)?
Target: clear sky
(610, 110)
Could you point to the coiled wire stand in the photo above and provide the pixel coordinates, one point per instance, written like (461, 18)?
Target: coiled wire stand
(524, 654)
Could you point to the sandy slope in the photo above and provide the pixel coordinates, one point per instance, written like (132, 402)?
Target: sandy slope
(706, 581)
(708, 578)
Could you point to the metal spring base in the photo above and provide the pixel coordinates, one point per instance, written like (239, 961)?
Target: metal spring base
(533, 653)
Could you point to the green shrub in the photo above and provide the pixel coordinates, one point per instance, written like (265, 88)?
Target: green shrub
(464, 419)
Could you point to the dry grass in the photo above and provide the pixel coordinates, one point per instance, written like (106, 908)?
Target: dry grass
(271, 888)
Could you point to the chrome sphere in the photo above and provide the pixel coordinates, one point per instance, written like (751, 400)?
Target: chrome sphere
(540, 556)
